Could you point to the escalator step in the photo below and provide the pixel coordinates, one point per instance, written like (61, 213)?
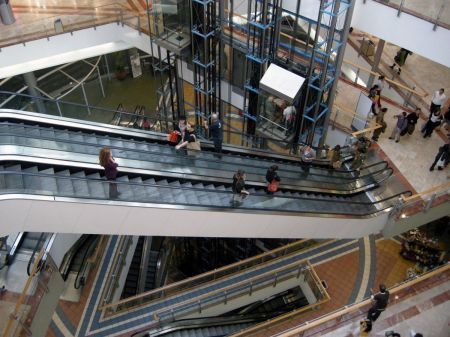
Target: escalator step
(97, 188)
(65, 186)
(14, 181)
(80, 186)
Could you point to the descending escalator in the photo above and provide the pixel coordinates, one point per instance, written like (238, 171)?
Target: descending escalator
(75, 261)
(86, 183)
(232, 321)
(41, 143)
(134, 272)
(28, 245)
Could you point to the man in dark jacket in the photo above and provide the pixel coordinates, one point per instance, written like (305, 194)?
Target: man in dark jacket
(442, 158)
(216, 130)
(379, 303)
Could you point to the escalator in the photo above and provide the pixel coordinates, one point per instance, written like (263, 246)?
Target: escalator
(134, 272)
(41, 143)
(28, 245)
(75, 260)
(87, 184)
(233, 321)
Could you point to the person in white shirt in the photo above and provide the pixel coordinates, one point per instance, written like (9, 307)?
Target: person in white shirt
(287, 114)
(437, 100)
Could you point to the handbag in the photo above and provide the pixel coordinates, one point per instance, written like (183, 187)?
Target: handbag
(193, 147)
(273, 186)
(337, 164)
(173, 137)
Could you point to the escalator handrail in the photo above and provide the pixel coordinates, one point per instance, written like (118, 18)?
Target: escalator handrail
(396, 196)
(84, 106)
(241, 165)
(195, 323)
(35, 249)
(84, 264)
(70, 255)
(145, 135)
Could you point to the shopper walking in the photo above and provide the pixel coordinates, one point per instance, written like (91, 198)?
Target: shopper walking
(380, 120)
(273, 179)
(190, 141)
(216, 129)
(433, 122)
(379, 303)
(109, 164)
(238, 188)
(400, 59)
(381, 83)
(401, 125)
(442, 158)
(437, 100)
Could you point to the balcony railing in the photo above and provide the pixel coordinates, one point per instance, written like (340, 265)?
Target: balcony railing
(435, 11)
(200, 280)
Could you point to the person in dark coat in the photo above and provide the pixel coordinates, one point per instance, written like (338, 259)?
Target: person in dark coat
(412, 119)
(442, 157)
(238, 188)
(379, 303)
(216, 130)
(109, 164)
(271, 176)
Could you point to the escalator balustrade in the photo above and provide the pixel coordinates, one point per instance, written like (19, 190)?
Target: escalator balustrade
(53, 143)
(77, 183)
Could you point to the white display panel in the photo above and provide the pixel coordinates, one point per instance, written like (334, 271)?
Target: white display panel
(362, 111)
(282, 83)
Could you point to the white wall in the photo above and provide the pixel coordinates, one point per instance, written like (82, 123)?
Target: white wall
(63, 242)
(54, 214)
(39, 54)
(405, 31)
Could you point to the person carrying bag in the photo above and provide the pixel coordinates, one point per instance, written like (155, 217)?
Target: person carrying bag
(273, 179)
(190, 141)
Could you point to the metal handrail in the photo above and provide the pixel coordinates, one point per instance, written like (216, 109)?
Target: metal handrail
(231, 267)
(252, 282)
(122, 149)
(401, 9)
(115, 271)
(14, 316)
(183, 188)
(314, 323)
(100, 15)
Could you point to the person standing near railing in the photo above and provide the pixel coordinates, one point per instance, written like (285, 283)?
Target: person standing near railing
(379, 303)
(380, 120)
(109, 164)
(216, 129)
(308, 155)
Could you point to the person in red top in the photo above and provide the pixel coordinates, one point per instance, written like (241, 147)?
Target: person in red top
(109, 164)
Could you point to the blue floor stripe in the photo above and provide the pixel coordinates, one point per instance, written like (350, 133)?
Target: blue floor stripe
(361, 266)
(62, 316)
(56, 330)
(131, 317)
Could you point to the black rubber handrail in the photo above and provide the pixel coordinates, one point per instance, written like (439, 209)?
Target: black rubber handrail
(241, 165)
(79, 281)
(395, 196)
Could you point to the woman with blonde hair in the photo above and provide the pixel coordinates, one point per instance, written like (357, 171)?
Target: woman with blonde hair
(107, 161)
